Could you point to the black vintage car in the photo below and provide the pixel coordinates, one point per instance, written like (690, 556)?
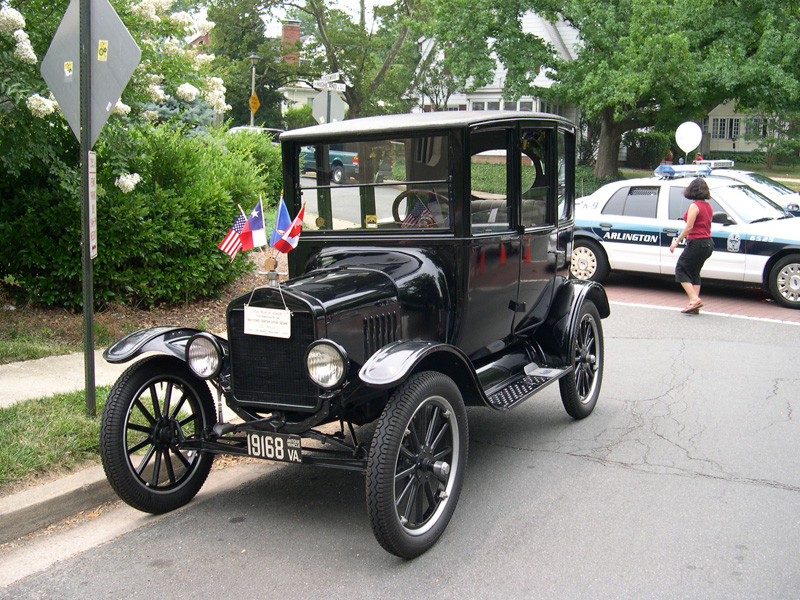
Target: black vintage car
(441, 285)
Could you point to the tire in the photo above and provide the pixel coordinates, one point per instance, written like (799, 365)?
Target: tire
(139, 439)
(581, 388)
(589, 262)
(337, 174)
(784, 281)
(416, 463)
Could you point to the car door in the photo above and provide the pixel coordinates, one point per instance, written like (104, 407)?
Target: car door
(727, 261)
(629, 229)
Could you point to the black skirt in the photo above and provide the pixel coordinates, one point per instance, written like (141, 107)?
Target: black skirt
(692, 259)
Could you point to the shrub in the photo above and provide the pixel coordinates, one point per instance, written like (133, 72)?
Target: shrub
(646, 149)
(156, 243)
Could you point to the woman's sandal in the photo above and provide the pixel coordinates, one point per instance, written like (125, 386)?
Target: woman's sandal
(693, 308)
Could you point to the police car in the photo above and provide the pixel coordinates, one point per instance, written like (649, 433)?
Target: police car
(775, 191)
(628, 226)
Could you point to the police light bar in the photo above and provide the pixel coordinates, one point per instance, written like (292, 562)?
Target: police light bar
(674, 171)
(717, 164)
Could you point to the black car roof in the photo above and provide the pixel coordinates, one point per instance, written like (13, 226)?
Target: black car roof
(416, 122)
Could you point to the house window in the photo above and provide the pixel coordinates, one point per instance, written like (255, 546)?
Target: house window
(526, 105)
(478, 106)
(724, 129)
(493, 106)
(509, 106)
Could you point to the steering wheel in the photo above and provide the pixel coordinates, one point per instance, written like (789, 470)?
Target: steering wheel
(423, 195)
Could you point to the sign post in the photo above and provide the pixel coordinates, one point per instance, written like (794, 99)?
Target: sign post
(92, 37)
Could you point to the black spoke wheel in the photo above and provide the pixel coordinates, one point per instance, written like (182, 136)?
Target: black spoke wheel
(155, 406)
(416, 464)
(581, 388)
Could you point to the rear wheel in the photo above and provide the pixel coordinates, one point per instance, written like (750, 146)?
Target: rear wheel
(156, 405)
(416, 464)
(589, 261)
(581, 388)
(784, 281)
(337, 174)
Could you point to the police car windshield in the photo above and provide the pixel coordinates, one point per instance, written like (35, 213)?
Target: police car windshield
(770, 184)
(748, 204)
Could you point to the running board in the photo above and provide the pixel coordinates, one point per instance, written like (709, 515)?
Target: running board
(523, 387)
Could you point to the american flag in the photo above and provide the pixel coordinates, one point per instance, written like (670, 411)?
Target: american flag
(419, 216)
(232, 242)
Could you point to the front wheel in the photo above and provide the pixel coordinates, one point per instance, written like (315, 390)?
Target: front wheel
(589, 262)
(581, 388)
(155, 406)
(784, 281)
(416, 464)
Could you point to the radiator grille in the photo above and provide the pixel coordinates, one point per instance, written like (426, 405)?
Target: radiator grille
(379, 330)
(270, 371)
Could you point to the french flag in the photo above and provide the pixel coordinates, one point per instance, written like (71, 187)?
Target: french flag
(291, 235)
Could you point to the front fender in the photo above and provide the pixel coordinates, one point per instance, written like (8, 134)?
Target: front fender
(555, 336)
(393, 363)
(164, 340)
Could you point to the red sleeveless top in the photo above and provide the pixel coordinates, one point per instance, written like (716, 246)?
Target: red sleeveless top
(702, 223)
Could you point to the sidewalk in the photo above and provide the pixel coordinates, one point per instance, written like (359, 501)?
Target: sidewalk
(43, 505)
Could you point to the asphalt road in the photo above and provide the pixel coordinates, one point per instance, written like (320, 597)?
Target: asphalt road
(683, 483)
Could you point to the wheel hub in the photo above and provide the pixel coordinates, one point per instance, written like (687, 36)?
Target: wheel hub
(794, 283)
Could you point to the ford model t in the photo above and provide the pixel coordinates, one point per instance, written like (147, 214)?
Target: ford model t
(434, 277)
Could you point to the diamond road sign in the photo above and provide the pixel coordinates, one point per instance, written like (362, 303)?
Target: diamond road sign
(114, 56)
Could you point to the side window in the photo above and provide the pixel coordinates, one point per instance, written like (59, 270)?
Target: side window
(633, 202)
(642, 202)
(489, 181)
(616, 204)
(678, 204)
(534, 177)
(564, 195)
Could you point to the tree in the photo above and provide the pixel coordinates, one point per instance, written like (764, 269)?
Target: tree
(777, 135)
(378, 63)
(639, 63)
(238, 33)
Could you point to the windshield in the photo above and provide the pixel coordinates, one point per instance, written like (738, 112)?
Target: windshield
(748, 204)
(385, 184)
(760, 181)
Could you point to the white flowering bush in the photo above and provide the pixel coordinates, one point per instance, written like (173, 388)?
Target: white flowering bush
(127, 182)
(10, 20)
(187, 92)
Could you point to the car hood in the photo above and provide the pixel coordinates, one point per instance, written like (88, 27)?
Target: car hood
(784, 230)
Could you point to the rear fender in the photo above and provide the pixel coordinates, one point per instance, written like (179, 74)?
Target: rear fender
(556, 335)
(394, 363)
(163, 340)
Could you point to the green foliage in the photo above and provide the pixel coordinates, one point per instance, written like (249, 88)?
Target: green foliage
(47, 434)
(646, 149)
(156, 243)
(586, 183)
(298, 117)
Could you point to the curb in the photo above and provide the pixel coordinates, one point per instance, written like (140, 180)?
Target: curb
(43, 505)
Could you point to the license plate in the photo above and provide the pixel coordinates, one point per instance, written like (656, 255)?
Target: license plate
(275, 446)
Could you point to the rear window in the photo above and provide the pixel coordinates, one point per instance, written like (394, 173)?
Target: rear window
(635, 201)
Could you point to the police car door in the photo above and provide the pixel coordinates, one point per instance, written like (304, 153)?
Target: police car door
(629, 229)
(727, 261)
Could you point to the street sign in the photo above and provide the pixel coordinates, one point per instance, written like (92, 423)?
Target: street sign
(328, 107)
(254, 104)
(330, 77)
(114, 56)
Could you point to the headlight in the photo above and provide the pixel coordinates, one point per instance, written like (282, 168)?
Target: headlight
(326, 363)
(204, 356)
(794, 207)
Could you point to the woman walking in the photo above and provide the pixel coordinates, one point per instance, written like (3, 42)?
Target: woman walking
(699, 247)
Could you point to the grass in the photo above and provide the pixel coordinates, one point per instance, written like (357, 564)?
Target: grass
(47, 435)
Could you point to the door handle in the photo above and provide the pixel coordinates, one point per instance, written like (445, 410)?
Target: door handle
(606, 225)
(670, 231)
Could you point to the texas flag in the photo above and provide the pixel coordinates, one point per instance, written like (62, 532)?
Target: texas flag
(291, 235)
(253, 233)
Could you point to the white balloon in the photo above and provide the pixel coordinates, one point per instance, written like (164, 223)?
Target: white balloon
(688, 136)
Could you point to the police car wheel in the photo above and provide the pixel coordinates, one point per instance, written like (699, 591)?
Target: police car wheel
(784, 281)
(589, 262)
(581, 388)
